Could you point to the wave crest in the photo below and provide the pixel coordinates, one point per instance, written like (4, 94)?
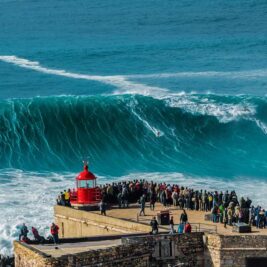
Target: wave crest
(133, 132)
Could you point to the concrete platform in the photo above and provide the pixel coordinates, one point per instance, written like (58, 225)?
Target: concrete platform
(195, 218)
(72, 248)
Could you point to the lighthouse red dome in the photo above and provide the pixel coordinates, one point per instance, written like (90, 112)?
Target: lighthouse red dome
(86, 175)
(87, 192)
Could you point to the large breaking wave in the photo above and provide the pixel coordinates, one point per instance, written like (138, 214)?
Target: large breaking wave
(188, 133)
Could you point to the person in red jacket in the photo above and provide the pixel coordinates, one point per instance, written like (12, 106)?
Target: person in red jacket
(54, 232)
(187, 228)
(37, 237)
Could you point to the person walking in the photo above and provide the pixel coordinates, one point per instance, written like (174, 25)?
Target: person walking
(142, 202)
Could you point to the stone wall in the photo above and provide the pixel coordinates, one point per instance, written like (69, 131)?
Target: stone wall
(119, 256)
(26, 256)
(232, 250)
(172, 250)
(147, 251)
(79, 223)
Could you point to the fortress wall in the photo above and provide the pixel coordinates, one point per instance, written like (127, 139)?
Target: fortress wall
(26, 256)
(195, 249)
(172, 250)
(159, 250)
(147, 251)
(226, 251)
(79, 223)
(117, 256)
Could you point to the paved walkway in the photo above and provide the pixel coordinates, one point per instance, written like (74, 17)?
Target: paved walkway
(71, 248)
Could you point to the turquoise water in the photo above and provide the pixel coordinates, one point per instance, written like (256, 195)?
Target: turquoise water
(175, 90)
(206, 135)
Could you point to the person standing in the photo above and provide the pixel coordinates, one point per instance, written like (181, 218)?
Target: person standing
(175, 198)
(172, 231)
(225, 217)
(183, 217)
(124, 195)
(154, 226)
(62, 199)
(54, 232)
(183, 220)
(230, 216)
(188, 228)
(67, 197)
(103, 207)
(153, 199)
(23, 232)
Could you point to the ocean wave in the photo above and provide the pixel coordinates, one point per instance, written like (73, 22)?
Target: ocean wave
(182, 133)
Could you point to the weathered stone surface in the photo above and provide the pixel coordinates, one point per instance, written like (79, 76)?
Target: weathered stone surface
(232, 251)
(186, 249)
(159, 250)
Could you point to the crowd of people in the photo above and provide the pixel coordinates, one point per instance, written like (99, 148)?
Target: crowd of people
(224, 207)
(53, 238)
(63, 198)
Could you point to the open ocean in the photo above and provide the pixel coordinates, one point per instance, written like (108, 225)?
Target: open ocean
(172, 91)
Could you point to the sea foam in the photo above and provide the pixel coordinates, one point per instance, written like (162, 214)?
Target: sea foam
(119, 81)
(125, 83)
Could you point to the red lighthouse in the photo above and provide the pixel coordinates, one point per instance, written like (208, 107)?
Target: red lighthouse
(87, 193)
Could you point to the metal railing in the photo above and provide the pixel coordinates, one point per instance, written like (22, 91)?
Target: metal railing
(204, 227)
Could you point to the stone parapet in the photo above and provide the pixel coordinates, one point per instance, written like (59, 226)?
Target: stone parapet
(117, 256)
(172, 250)
(234, 250)
(79, 223)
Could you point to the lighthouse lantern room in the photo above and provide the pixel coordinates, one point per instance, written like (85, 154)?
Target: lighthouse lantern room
(87, 193)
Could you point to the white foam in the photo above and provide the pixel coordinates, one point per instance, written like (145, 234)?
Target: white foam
(154, 130)
(28, 197)
(251, 74)
(127, 86)
(261, 125)
(206, 106)
(190, 103)
(119, 81)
